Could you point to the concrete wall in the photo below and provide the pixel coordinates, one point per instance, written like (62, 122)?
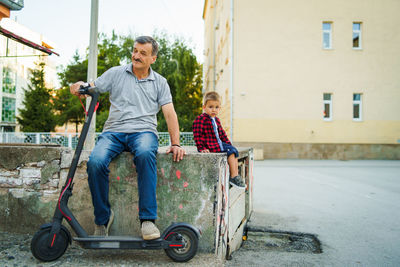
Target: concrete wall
(324, 151)
(195, 191)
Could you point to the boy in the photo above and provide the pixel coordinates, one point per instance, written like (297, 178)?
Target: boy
(211, 137)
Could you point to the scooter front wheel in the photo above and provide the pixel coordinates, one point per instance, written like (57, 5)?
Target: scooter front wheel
(45, 251)
(191, 241)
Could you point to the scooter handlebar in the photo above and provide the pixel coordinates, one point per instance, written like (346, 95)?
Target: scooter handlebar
(86, 89)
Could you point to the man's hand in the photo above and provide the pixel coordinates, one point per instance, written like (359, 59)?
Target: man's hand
(205, 151)
(178, 152)
(74, 88)
(173, 129)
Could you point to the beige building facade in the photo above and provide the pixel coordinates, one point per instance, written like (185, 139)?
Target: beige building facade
(305, 72)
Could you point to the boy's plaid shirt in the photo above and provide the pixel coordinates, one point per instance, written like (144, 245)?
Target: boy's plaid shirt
(204, 136)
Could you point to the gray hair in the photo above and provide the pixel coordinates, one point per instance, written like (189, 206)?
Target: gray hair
(148, 40)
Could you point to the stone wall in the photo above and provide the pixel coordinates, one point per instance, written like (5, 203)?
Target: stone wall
(29, 184)
(192, 191)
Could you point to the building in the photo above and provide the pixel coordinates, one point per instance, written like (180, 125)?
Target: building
(302, 79)
(7, 5)
(20, 49)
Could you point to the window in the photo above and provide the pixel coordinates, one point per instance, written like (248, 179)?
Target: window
(8, 110)
(357, 35)
(327, 107)
(9, 77)
(327, 35)
(357, 107)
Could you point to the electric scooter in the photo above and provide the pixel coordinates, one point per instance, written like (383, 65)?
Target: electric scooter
(179, 240)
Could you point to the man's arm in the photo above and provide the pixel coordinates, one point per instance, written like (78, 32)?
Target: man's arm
(173, 128)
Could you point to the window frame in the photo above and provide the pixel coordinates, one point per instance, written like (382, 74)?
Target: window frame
(9, 80)
(330, 35)
(8, 115)
(359, 102)
(330, 118)
(359, 35)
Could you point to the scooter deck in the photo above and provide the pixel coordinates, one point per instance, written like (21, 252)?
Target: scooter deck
(112, 238)
(125, 242)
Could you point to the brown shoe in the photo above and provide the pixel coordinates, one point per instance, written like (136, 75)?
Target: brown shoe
(102, 230)
(99, 230)
(150, 231)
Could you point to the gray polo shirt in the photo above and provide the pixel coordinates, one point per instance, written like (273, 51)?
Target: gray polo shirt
(134, 103)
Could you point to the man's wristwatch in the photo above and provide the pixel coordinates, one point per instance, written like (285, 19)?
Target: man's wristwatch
(176, 145)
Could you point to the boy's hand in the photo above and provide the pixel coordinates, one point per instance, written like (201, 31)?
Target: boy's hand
(205, 151)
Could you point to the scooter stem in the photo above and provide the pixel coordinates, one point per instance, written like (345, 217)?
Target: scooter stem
(62, 210)
(82, 137)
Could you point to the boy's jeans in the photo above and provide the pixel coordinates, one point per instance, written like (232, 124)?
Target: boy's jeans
(144, 146)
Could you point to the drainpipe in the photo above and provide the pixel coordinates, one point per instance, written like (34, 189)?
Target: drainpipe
(231, 87)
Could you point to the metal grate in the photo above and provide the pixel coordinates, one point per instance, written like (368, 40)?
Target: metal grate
(71, 139)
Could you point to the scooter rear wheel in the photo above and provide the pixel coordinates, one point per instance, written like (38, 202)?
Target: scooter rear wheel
(191, 243)
(41, 248)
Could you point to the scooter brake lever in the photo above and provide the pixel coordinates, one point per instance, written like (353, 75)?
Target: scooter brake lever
(84, 89)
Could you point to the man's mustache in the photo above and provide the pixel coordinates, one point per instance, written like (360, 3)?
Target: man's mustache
(138, 60)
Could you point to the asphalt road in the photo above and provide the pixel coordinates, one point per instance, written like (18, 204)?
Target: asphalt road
(352, 206)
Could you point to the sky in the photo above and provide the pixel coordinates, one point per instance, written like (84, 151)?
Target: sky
(67, 22)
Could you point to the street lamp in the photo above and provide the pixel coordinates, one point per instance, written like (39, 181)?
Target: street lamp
(92, 69)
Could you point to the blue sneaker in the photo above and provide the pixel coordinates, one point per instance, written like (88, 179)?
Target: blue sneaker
(237, 182)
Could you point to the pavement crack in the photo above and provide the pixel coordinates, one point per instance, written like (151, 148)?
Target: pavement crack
(264, 238)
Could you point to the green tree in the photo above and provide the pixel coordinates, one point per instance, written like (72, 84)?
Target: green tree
(37, 114)
(175, 61)
(68, 106)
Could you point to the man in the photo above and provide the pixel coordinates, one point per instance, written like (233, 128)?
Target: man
(136, 95)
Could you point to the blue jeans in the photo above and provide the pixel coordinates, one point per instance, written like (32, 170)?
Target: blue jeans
(144, 146)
